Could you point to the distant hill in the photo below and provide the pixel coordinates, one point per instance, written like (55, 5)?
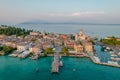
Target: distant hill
(67, 22)
(35, 22)
(49, 22)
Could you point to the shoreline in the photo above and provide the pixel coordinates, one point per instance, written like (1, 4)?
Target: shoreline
(85, 56)
(91, 58)
(105, 64)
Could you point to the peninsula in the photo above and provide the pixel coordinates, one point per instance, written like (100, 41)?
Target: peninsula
(21, 43)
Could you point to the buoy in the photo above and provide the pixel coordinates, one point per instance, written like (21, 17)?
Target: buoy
(74, 69)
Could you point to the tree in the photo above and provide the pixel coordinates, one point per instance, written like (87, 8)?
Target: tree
(65, 50)
(73, 37)
(49, 51)
(6, 49)
(61, 52)
(34, 40)
(14, 31)
(112, 41)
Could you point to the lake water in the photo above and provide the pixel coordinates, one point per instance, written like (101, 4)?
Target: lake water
(17, 69)
(25, 69)
(92, 30)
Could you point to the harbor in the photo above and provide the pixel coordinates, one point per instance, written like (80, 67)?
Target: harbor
(104, 55)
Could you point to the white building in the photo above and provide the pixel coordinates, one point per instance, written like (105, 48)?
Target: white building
(22, 46)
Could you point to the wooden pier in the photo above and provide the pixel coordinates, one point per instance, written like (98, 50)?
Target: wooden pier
(55, 64)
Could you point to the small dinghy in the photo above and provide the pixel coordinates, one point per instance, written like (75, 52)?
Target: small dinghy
(74, 69)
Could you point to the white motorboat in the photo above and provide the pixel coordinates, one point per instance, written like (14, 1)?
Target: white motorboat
(112, 62)
(61, 64)
(97, 59)
(74, 69)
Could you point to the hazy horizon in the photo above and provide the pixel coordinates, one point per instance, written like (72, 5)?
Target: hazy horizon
(83, 11)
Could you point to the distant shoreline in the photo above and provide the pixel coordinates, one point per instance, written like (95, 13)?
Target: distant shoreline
(68, 23)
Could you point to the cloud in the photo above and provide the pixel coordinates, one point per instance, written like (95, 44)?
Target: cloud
(88, 13)
(57, 14)
(75, 14)
(78, 14)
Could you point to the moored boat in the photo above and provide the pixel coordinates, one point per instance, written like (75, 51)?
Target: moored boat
(113, 62)
(60, 64)
(97, 59)
(34, 57)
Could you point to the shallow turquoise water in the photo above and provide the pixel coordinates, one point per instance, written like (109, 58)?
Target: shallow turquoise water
(17, 69)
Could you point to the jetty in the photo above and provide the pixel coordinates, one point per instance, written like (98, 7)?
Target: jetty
(55, 64)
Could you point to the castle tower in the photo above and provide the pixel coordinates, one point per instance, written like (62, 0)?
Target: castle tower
(81, 32)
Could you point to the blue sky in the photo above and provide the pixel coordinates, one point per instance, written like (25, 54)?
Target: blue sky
(90, 11)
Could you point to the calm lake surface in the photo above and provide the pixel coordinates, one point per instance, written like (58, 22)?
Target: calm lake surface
(25, 69)
(92, 30)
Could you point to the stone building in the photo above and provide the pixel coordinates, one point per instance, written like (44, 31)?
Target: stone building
(80, 36)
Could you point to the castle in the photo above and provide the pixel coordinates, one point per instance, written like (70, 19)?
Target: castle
(80, 36)
(85, 45)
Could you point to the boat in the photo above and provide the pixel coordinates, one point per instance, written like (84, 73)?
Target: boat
(74, 69)
(60, 64)
(111, 58)
(108, 48)
(119, 53)
(112, 62)
(60, 57)
(34, 57)
(13, 55)
(113, 55)
(115, 59)
(111, 52)
(97, 59)
(105, 50)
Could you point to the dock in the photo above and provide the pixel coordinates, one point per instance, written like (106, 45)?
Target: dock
(55, 64)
